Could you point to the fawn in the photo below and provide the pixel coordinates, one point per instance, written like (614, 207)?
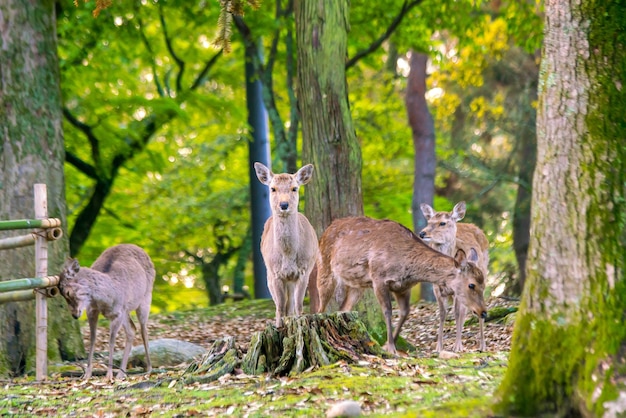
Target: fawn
(289, 242)
(444, 234)
(361, 253)
(118, 282)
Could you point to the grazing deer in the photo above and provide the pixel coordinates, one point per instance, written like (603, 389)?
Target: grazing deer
(118, 282)
(444, 234)
(289, 242)
(361, 252)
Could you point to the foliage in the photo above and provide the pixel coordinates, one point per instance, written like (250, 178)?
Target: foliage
(183, 196)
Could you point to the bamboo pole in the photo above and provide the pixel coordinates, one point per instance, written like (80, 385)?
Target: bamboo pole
(17, 296)
(30, 223)
(29, 283)
(22, 295)
(41, 267)
(29, 239)
(16, 242)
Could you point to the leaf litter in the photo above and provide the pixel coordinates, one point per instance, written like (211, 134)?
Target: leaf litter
(418, 383)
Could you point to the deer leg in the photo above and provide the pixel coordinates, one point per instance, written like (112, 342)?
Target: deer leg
(384, 299)
(481, 321)
(353, 294)
(326, 285)
(459, 317)
(300, 292)
(142, 315)
(92, 317)
(280, 300)
(404, 304)
(129, 329)
(116, 324)
(442, 316)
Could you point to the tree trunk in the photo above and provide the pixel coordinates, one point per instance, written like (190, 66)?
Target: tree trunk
(526, 157)
(423, 128)
(568, 346)
(329, 139)
(259, 151)
(31, 151)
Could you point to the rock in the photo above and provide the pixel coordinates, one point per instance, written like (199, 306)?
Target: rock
(447, 355)
(344, 409)
(164, 352)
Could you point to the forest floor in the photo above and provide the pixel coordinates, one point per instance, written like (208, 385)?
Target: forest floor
(420, 383)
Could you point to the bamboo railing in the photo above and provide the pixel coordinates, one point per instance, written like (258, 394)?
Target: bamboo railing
(42, 286)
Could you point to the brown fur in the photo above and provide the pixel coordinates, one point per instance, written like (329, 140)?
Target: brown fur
(289, 242)
(362, 253)
(445, 234)
(118, 282)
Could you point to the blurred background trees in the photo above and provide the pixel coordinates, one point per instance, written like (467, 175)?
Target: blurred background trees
(156, 128)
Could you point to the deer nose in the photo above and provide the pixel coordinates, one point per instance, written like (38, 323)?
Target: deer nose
(284, 205)
(422, 234)
(483, 315)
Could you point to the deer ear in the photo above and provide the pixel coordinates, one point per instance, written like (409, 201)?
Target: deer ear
(263, 173)
(303, 176)
(458, 212)
(427, 210)
(473, 255)
(72, 266)
(460, 258)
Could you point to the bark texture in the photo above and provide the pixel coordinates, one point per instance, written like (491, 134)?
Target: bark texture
(569, 342)
(329, 141)
(31, 151)
(309, 341)
(423, 129)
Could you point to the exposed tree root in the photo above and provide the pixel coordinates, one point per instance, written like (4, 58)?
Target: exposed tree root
(309, 341)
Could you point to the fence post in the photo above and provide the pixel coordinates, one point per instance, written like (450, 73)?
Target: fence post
(41, 267)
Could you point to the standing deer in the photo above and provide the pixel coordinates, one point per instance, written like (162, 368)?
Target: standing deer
(289, 242)
(362, 253)
(444, 234)
(118, 282)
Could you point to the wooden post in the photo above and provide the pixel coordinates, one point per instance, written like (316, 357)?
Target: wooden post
(41, 267)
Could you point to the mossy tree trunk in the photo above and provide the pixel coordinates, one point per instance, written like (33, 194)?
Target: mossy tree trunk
(31, 151)
(328, 137)
(569, 342)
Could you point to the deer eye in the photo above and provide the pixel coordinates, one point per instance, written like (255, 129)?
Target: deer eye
(442, 224)
(472, 286)
(295, 189)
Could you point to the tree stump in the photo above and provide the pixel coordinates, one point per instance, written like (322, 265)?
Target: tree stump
(221, 359)
(309, 341)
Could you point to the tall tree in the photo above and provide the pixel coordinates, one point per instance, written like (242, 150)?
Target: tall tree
(329, 138)
(31, 151)
(423, 129)
(568, 346)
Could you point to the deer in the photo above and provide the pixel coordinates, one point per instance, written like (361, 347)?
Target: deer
(361, 252)
(289, 243)
(444, 234)
(118, 282)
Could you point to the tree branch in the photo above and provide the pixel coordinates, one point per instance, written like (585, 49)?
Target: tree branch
(406, 7)
(81, 165)
(170, 48)
(200, 79)
(88, 131)
(152, 60)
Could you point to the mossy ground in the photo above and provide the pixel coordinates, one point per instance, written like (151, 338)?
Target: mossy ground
(406, 386)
